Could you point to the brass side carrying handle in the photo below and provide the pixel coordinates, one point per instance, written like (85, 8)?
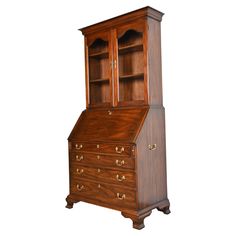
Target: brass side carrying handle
(78, 147)
(152, 146)
(120, 150)
(79, 171)
(120, 163)
(80, 187)
(120, 178)
(79, 158)
(120, 196)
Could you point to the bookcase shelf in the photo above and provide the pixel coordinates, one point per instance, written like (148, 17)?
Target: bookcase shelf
(132, 76)
(99, 80)
(102, 54)
(130, 48)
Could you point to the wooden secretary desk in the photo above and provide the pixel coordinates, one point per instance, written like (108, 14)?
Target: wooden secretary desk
(117, 147)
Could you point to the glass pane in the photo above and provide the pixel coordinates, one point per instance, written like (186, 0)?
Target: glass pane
(99, 72)
(131, 66)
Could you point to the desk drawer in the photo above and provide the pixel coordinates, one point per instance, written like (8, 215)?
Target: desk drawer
(118, 149)
(123, 178)
(111, 161)
(105, 193)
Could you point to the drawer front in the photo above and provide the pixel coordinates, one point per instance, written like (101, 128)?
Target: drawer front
(117, 149)
(123, 178)
(104, 193)
(117, 161)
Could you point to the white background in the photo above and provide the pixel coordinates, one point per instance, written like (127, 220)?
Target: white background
(42, 92)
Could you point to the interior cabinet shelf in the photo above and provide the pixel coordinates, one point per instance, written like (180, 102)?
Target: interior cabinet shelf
(130, 48)
(132, 76)
(102, 54)
(99, 80)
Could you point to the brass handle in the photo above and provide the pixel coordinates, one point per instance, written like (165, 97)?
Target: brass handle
(152, 147)
(120, 196)
(120, 150)
(79, 158)
(109, 112)
(120, 163)
(78, 146)
(120, 178)
(79, 171)
(80, 187)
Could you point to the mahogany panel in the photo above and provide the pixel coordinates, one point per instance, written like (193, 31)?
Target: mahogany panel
(123, 178)
(103, 161)
(151, 164)
(154, 63)
(111, 148)
(109, 125)
(102, 192)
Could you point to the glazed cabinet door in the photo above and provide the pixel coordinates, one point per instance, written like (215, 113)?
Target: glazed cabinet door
(130, 63)
(98, 51)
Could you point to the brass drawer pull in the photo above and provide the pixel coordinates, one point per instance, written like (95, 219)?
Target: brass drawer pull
(80, 187)
(78, 147)
(120, 178)
(152, 147)
(120, 163)
(120, 150)
(79, 158)
(120, 196)
(79, 171)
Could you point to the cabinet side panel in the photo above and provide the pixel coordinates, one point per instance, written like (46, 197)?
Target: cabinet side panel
(151, 164)
(154, 62)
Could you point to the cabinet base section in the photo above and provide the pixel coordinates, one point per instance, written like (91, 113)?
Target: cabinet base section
(70, 202)
(71, 199)
(164, 206)
(137, 216)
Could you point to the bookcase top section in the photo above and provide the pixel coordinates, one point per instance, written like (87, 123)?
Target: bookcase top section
(118, 125)
(130, 16)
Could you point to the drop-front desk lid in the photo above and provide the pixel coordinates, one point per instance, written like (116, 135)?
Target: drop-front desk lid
(109, 125)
